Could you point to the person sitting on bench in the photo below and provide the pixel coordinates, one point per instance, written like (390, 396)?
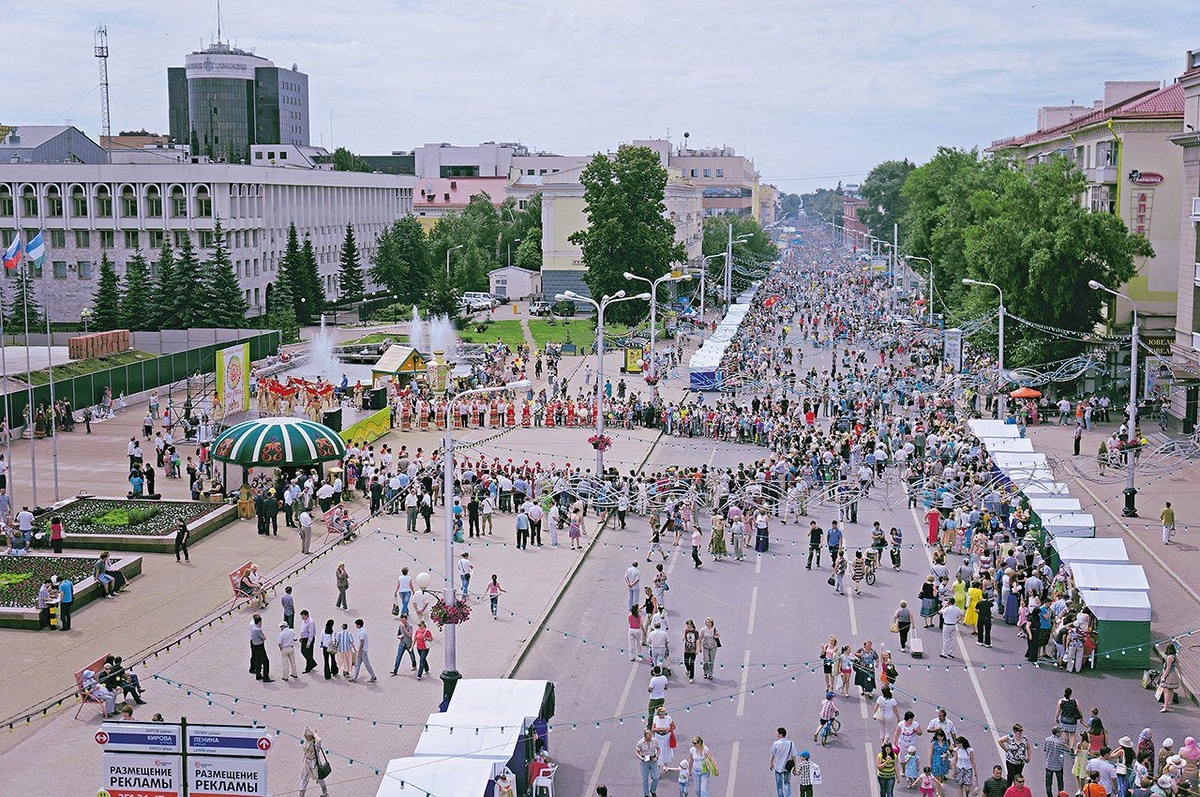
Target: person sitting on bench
(253, 586)
(93, 689)
(116, 680)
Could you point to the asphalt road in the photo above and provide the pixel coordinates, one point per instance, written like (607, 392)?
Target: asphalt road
(772, 612)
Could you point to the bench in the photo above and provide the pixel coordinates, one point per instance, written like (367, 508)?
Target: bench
(84, 696)
(235, 581)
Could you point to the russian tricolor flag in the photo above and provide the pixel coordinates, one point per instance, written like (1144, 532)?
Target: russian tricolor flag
(12, 255)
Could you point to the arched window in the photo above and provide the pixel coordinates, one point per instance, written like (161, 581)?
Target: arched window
(154, 203)
(6, 200)
(54, 202)
(79, 202)
(178, 202)
(29, 202)
(129, 202)
(104, 203)
(203, 202)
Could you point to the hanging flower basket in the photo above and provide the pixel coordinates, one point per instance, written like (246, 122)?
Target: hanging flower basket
(454, 614)
(652, 380)
(600, 442)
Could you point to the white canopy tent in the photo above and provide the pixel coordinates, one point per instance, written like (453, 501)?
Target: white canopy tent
(497, 697)
(1100, 551)
(1056, 506)
(984, 427)
(1013, 445)
(1120, 606)
(443, 777)
(1045, 489)
(1013, 460)
(1074, 524)
(1121, 578)
(491, 737)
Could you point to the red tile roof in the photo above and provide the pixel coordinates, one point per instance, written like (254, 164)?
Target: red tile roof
(1163, 103)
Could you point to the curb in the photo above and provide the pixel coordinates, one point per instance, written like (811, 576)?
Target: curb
(515, 663)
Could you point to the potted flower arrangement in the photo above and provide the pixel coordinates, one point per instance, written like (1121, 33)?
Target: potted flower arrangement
(600, 442)
(652, 380)
(453, 614)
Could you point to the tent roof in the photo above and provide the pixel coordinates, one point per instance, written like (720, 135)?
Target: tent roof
(399, 359)
(1047, 488)
(1054, 505)
(1016, 445)
(985, 427)
(1100, 550)
(1069, 524)
(1116, 605)
(498, 697)
(492, 737)
(1121, 578)
(274, 442)
(441, 777)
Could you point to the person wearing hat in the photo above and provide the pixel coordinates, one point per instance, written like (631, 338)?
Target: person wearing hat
(1165, 752)
(807, 774)
(314, 762)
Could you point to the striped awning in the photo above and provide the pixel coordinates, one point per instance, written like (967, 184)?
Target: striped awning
(277, 442)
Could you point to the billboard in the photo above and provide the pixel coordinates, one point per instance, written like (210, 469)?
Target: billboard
(141, 775)
(227, 777)
(952, 349)
(233, 381)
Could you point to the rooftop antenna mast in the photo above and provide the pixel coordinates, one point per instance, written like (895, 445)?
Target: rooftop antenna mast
(218, 21)
(101, 51)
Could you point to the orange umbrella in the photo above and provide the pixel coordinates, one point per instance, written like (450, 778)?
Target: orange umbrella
(1025, 393)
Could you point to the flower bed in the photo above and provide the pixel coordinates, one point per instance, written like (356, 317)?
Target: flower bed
(116, 516)
(21, 576)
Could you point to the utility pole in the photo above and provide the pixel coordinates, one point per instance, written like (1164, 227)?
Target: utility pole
(729, 268)
(101, 52)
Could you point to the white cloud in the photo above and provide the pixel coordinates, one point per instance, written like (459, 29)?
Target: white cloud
(807, 88)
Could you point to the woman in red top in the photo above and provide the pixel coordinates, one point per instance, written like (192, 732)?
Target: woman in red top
(421, 638)
(56, 533)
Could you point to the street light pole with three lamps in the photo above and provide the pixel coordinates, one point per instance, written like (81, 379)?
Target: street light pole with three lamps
(450, 674)
(669, 277)
(1003, 397)
(1131, 436)
(600, 306)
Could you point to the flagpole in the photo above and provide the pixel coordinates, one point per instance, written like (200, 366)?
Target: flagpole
(8, 419)
(29, 379)
(53, 403)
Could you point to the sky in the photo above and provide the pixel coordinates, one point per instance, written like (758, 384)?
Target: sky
(815, 93)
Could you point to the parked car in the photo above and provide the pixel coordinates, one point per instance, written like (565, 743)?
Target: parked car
(540, 308)
(480, 300)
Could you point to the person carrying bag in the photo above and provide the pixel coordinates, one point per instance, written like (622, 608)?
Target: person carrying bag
(316, 763)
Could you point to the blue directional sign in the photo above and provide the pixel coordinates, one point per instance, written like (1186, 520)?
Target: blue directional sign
(139, 737)
(227, 740)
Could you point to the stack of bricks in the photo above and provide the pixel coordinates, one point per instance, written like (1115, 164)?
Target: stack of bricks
(98, 344)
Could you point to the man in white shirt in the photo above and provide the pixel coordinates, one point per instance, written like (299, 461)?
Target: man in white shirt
(951, 615)
(944, 723)
(306, 526)
(658, 692)
(362, 657)
(535, 515)
(465, 566)
(657, 640)
(25, 521)
(308, 640)
(287, 650)
(633, 579)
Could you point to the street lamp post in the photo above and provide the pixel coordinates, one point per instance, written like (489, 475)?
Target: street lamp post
(670, 277)
(729, 263)
(451, 675)
(930, 297)
(1003, 413)
(1130, 509)
(510, 243)
(600, 306)
(448, 251)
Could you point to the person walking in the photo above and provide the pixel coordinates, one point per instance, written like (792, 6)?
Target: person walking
(859, 571)
(781, 761)
(633, 580)
(658, 692)
(902, 624)
(1167, 518)
(697, 540)
(465, 568)
(494, 590)
(710, 640)
(522, 525)
(983, 621)
(815, 535)
(951, 615)
(329, 650)
(1056, 751)
(885, 769)
(306, 531)
(66, 600)
(404, 644)
(362, 657)
(691, 641)
(1170, 682)
(646, 751)
(308, 640)
(182, 535)
(289, 607)
(404, 591)
(1016, 752)
(342, 580)
(287, 651)
(701, 765)
(260, 665)
(315, 762)
(807, 774)
(344, 644)
(422, 638)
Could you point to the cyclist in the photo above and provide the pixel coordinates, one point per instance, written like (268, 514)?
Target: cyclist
(826, 715)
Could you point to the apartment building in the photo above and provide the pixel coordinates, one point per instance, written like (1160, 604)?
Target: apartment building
(1185, 388)
(729, 181)
(120, 208)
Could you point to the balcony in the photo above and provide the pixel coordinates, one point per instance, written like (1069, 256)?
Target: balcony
(1101, 174)
(1197, 274)
(1196, 208)
(1195, 341)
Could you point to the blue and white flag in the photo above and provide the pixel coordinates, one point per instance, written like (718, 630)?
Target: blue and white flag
(35, 249)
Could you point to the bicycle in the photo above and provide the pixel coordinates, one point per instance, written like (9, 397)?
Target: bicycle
(830, 728)
(872, 565)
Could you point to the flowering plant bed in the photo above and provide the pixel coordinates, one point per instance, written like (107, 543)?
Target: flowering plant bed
(117, 516)
(445, 615)
(21, 576)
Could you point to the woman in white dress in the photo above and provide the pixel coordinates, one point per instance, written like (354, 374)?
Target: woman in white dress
(663, 726)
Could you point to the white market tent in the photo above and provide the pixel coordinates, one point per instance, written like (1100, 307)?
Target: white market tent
(1100, 551)
(480, 736)
(1120, 578)
(983, 427)
(498, 697)
(1070, 524)
(443, 777)
(1018, 461)
(1045, 489)
(1012, 445)
(1056, 506)
(1119, 606)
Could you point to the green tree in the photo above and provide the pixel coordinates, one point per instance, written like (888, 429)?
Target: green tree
(402, 260)
(627, 226)
(529, 252)
(162, 302)
(791, 204)
(137, 295)
(222, 304)
(185, 281)
(24, 311)
(106, 302)
(281, 308)
(884, 191)
(825, 203)
(291, 264)
(757, 248)
(308, 286)
(443, 297)
(346, 161)
(350, 276)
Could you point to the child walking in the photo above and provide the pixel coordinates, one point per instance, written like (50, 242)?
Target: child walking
(493, 591)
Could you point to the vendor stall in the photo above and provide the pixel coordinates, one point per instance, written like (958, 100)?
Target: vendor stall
(983, 427)
(1040, 505)
(1122, 628)
(1045, 489)
(1012, 445)
(402, 362)
(1090, 578)
(1074, 524)
(502, 739)
(1099, 551)
(443, 777)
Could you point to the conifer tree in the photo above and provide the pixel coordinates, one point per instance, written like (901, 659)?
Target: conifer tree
(222, 304)
(350, 277)
(137, 295)
(106, 303)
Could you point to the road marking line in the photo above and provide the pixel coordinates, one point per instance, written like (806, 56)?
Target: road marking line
(633, 671)
(853, 616)
(741, 703)
(753, 604)
(758, 565)
(962, 648)
(733, 762)
(595, 779)
(871, 772)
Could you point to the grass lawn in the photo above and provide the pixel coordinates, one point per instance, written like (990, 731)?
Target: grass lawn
(578, 330)
(81, 367)
(378, 337)
(507, 331)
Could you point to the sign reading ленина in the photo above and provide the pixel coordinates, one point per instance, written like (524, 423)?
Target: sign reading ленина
(227, 777)
(227, 740)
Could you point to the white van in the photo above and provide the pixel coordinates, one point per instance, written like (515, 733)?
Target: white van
(479, 300)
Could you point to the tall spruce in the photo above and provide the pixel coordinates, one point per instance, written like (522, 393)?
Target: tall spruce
(309, 286)
(350, 277)
(281, 308)
(291, 266)
(137, 295)
(185, 287)
(222, 304)
(106, 302)
(164, 303)
(24, 301)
